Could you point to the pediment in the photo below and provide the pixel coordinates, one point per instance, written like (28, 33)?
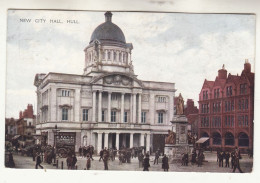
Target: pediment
(118, 79)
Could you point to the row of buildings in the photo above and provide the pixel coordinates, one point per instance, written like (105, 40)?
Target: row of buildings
(23, 129)
(108, 106)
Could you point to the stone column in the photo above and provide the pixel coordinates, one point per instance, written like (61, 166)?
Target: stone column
(122, 107)
(139, 107)
(76, 114)
(99, 145)
(151, 108)
(134, 108)
(94, 106)
(100, 106)
(148, 143)
(53, 107)
(109, 107)
(106, 56)
(131, 108)
(106, 140)
(117, 141)
(131, 140)
(141, 139)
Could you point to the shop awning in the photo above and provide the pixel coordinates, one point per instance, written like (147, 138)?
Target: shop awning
(16, 137)
(202, 140)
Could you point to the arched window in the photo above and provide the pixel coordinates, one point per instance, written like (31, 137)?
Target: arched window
(243, 139)
(229, 139)
(104, 55)
(216, 138)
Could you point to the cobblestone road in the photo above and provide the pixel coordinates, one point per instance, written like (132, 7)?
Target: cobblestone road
(209, 166)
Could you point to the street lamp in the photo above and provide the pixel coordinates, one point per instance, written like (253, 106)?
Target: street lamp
(55, 131)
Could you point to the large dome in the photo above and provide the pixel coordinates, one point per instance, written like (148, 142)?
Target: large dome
(108, 31)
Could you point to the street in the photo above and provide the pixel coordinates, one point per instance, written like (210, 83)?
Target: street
(211, 165)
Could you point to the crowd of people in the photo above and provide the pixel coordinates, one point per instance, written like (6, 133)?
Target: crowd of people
(226, 155)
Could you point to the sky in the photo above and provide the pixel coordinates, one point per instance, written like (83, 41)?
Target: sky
(181, 48)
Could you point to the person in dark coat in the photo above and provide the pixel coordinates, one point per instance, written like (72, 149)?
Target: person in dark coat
(227, 156)
(80, 151)
(38, 161)
(186, 159)
(218, 152)
(221, 157)
(232, 159)
(193, 157)
(74, 161)
(156, 158)
(146, 163)
(140, 159)
(105, 160)
(165, 163)
(236, 163)
(200, 158)
(101, 154)
(88, 165)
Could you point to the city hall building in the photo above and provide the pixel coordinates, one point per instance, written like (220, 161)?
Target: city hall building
(107, 106)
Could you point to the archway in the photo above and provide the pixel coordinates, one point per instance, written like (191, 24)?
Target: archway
(216, 138)
(229, 139)
(243, 139)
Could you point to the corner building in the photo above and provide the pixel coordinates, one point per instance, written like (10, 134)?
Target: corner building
(226, 110)
(107, 106)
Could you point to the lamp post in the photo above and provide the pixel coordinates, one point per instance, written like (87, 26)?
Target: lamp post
(55, 132)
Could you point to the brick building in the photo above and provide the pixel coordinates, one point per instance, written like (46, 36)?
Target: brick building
(226, 110)
(192, 114)
(26, 123)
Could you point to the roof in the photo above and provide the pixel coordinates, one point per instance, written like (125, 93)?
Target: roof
(108, 31)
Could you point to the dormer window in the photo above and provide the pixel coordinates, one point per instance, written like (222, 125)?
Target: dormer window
(205, 95)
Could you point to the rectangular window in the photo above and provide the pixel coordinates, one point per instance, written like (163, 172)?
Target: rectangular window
(103, 116)
(162, 99)
(65, 93)
(246, 120)
(85, 114)
(160, 117)
(64, 114)
(114, 96)
(125, 117)
(113, 116)
(143, 117)
(246, 103)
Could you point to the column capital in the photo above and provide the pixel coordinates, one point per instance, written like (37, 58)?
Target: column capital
(94, 91)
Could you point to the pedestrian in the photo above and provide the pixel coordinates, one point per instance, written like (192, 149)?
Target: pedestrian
(156, 158)
(88, 165)
(200, 158)
(80, 151)
(227, 156)
(218, 152)
(232, 159)
(146, 163)
(140, 159)
(182, 159)
(186, 159)
(120, 158)
(165, 163)
(236, 163)
(101, 154)
(221, 157)
(38, 161)
(74, 161)
(193, 157)
(105, 160)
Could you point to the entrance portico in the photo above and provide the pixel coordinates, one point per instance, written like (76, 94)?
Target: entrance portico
(121, 139)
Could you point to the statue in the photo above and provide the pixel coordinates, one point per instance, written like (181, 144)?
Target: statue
(180, 105)
(170, 139)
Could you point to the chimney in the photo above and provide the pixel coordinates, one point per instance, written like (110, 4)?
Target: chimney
(247, 66)
(222, 73)
(20, 114)
(108, 16)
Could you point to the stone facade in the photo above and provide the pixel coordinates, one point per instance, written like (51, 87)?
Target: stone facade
(226, 110)
(107, 106)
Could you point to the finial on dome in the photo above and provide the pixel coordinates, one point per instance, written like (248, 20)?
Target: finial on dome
(108, 16)
(246, 61)
(223, 67)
